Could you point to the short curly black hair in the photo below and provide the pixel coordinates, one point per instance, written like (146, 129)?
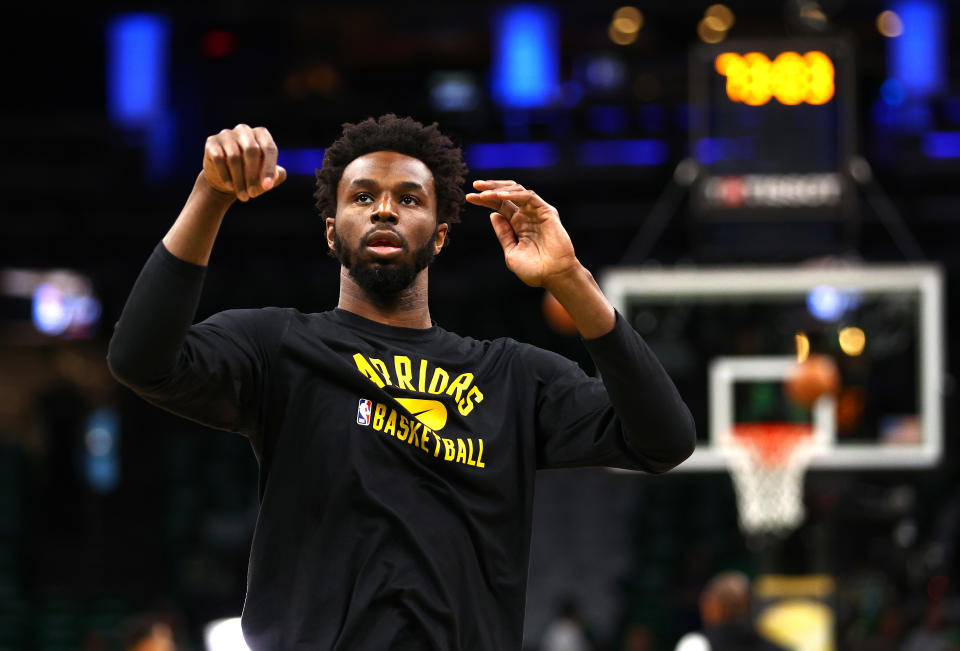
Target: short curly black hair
(404, 136)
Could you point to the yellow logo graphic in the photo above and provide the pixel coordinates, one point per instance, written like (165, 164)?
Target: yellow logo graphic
(422, 376)
(791, 78)
(429, 412)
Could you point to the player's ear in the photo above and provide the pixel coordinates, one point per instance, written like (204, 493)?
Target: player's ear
(441, 237)
(330, 228)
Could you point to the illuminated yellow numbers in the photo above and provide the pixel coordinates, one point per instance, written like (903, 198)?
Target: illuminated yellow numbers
(791, 78)
(820, 85)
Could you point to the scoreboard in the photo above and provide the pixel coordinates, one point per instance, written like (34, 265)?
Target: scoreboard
(771, 126)
(791, 79)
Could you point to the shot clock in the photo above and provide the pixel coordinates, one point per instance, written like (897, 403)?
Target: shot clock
(771, 128)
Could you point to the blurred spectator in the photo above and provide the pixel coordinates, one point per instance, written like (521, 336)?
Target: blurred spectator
(147, 633)
(566, 632)
(932, 633)
(725, 612)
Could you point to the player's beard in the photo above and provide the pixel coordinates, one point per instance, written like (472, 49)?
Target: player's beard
(384, 280)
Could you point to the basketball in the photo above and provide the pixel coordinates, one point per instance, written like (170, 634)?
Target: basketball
(556, 316)
(816, 376)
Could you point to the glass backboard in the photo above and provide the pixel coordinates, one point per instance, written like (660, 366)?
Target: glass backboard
(727, 337)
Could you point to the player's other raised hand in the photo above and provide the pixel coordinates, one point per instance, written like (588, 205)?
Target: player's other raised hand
(242, 161)
(535, 244)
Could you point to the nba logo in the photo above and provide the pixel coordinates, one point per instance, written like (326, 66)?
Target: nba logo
(363, 412)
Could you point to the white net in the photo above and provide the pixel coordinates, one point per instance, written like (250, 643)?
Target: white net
(768, 480)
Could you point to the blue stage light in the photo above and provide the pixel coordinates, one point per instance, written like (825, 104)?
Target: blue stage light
(623, 152)
(828, 303)
(918, 57)
(708, 151)
(942, 144)
(526, 56)
(510, 155)
(301, 161)
(893, 92)
(137, 55)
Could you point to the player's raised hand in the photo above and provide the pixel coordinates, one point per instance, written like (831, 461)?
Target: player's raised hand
(242, 161)
(535, 244)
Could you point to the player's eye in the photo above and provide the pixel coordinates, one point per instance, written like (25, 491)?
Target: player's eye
(409, 200)
(363, 197)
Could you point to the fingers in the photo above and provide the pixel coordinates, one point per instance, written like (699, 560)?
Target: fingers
(490, 202)
(243, 161)
(521, 197)
(215, 165)
(231, 147)
(251, 158)
(503, 230)
(488, 197)
(508, 201)
(508, 209)
(481, 184)
(268, 167)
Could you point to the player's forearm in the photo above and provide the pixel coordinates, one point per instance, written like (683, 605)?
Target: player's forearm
(655, 421)
(581, 297)
(192, 236)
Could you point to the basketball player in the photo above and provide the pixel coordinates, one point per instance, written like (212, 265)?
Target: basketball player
(396, 458)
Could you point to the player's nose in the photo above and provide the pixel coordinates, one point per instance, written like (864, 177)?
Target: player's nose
(384, 211)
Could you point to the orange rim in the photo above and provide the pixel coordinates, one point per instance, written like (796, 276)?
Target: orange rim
(773, 442)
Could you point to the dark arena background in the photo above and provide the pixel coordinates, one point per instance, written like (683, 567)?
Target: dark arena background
(753, 184)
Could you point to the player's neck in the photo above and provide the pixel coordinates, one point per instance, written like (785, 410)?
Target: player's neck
(408, 309)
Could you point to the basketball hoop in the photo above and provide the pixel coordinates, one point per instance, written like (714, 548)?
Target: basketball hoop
(767, 462)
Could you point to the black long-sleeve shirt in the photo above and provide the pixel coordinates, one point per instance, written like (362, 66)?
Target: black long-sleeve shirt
(396, 464)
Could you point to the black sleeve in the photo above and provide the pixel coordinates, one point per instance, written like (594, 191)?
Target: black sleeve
(215, 372)
(633, 418)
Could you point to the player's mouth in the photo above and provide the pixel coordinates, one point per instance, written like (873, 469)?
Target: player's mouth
(384, 244)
